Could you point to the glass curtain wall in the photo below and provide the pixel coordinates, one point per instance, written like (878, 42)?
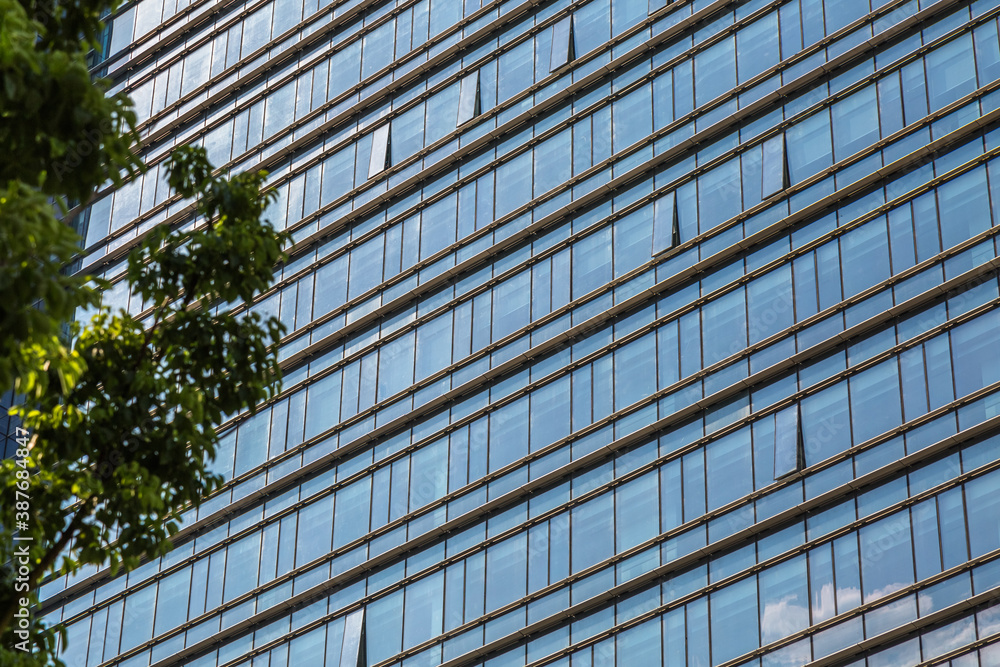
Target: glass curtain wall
(620, 332)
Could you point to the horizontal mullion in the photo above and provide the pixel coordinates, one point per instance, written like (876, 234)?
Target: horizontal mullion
(409, 272)
(692, 559)
(898, 634)
(663, 537)
(156, 39)
(325, 30)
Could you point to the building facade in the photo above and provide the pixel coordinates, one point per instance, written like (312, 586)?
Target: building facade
(619, 333)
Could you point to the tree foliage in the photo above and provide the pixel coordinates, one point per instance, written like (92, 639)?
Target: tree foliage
(121, 412)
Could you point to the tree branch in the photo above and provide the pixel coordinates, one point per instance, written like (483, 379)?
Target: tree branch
(49, 559)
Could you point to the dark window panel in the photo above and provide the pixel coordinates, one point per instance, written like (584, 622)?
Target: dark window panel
(665, 231)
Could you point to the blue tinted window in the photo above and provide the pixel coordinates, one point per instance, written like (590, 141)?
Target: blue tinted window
(316, 521)
(715, 71)
(591, 262)
(756, 46)
(734, 620)
(506, 570)
(976, 363)
(826, 427)
(719, 196)
(893, 567)
(635, 376)
(724, 323)
(508, 434)
(787, 442)
(729, 468)
(966, 201)
(626, 13)
(951, 72)
(551, 166)
(423, 610)
(632, 117)
(637, 516)
(983, 503)
(855, 123)
(384, 627)
(784, 599)
(592, 530)
(550, 413)
(172, 601)
(770, 305)
(591, 26)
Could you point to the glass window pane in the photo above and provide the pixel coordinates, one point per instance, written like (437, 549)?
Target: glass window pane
(951, 72)
(637, 515)
(787, 442)
(774, 169)
(562, 44)
(784, 599)
(734, 620)
(506, 571)
(593, 532)
(770, 304)
(172, 601)
(757, 46)
(729, 468)
(715, 71)
(887, 565)
(875, 403)
(825, 423)
(983, 504)
(965, 201)
(855, 123)
(384, 627)
(423, 610)
(379, 159)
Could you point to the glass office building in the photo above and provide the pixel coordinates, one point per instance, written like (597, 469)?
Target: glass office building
(620, 333)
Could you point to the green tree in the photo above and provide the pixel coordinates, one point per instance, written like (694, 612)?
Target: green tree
(119, 414)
